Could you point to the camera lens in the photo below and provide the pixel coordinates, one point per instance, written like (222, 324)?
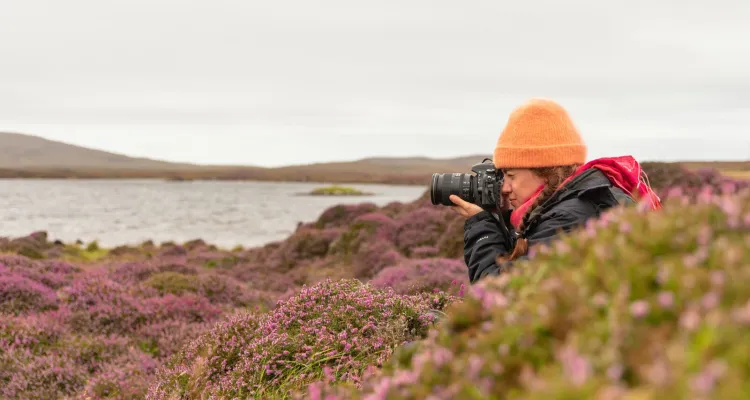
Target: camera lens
(444, 185)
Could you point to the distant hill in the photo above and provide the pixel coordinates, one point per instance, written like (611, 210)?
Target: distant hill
(26, 156)
(27, 151)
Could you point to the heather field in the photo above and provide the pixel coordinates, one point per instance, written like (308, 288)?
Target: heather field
(634, 305)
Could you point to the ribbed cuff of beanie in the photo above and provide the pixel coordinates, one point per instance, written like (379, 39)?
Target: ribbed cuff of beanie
(535, 157)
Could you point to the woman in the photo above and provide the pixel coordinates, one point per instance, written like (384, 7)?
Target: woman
(550, 186)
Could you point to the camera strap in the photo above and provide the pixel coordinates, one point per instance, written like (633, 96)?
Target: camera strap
(509, 236)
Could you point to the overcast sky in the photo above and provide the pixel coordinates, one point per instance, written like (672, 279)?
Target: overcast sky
(278, 82)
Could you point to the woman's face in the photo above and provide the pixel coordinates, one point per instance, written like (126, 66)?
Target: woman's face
(520, 184)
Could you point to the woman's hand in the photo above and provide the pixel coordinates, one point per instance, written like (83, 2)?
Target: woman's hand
(464, 208)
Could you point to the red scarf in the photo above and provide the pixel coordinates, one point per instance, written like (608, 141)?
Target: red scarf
(624, 172)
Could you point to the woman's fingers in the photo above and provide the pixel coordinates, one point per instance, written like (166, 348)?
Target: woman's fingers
(458, 201)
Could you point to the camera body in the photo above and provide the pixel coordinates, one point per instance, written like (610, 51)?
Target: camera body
(482, 188)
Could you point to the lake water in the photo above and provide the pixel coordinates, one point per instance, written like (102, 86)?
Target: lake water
(224, 213)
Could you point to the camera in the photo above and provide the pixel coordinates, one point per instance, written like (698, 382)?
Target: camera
(482, 189)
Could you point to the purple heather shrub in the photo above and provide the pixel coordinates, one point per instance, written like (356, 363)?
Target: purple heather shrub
(171, 250)
(385, 226)
(163, 338)
(302, 247)
(131, 271)
(212, 259)
(650, 304)
(261, 277)
(393, 209)
(422, 275)
(195, 244)
(47, 376)
(421, 227)
(424, 252)
(127, 377)
(59, 267)
(451, 242)
(34, 270)
(126, 251)
(93, 352)
(186, 307)
(19, 294)
(100, 305)
(335, 328)
(372, 257)
(136, 271)
(34, 333)
(223, 289)
(341, 215)
(16, 261)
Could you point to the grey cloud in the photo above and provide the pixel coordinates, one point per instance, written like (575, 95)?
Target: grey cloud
(348, 74)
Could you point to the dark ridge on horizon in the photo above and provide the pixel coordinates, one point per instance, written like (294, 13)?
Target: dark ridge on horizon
(29, 156)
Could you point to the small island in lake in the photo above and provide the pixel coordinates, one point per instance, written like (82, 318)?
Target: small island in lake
(336, 190)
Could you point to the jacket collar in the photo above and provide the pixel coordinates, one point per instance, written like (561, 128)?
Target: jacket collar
(587, 181)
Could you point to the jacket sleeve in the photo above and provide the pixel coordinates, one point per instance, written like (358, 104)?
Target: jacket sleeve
(485, 238)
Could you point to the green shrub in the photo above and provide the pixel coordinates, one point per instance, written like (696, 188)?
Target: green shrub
(632, 306)
(172, 282)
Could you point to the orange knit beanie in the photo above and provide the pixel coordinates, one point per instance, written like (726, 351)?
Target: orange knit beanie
(539, 134)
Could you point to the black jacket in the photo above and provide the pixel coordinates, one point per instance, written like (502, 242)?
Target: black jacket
(486, 236)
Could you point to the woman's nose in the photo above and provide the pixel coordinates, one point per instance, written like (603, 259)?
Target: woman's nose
(506, 187)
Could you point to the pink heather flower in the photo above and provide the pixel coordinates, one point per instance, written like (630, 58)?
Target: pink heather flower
(605, 219)
(489, 298)
(562, 247)
(405, 378)
(625, 227)
(730, 206)
(601, 251)
(705, 196)
(706, 380)
(658, 373)
(475, 366)
(718, 278)
(600, 299)
(441, 356)
(550, 284)
(542, 310)
(710, 300)
(690, 319)
(690, 261)
(497, 368)
(576, 367)
(728, 187)
(314, 391)
(591, 228)
(611, 393)
(674, 192)
(742, 314)
(666, 299)
(614, 372)
(639, 308)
